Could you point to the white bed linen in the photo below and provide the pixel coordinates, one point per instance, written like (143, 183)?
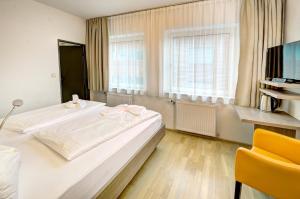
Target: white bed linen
(76, 136)
(36, 119)
(45, 174)
(9, 172)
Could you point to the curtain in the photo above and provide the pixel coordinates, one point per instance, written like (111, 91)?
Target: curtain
(127, 52)
(201, 50)
(97, 53)
(188, 50)
(262, 26)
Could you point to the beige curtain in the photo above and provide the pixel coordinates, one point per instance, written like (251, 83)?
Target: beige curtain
(261, 26)
(168, 51)
(97, 53)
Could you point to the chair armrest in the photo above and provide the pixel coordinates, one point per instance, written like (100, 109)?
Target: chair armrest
(279, 179)
(281, 145)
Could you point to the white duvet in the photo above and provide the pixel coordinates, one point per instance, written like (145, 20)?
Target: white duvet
(76, 136)
(36, 119)
(9, 172)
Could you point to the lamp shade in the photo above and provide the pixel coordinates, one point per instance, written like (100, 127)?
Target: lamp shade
(17, 102)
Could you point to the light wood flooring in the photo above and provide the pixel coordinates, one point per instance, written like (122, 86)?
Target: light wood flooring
(188, 167)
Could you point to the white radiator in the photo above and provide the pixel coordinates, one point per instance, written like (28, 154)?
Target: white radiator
(114, 99)
(196, 118)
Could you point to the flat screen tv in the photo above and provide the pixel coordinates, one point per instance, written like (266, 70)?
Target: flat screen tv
(291, 60)
(274, 64)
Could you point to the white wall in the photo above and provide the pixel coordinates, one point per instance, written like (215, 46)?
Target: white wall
(292, 33)
(29, 52)
(229, 126)
(292, 24)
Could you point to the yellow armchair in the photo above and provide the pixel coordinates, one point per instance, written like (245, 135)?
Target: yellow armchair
(271, 166)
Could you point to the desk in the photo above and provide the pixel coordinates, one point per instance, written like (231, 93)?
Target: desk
(278, 122)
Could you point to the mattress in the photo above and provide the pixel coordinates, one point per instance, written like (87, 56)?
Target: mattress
(45, 174)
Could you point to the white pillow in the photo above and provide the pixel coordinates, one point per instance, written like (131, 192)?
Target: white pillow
(9, 170)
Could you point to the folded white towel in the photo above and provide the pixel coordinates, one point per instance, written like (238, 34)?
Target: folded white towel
(78, 104)
(110, 112)
(136, 110)
(132, 109)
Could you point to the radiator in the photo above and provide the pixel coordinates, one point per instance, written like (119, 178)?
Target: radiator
(114, 99)
(196, 118)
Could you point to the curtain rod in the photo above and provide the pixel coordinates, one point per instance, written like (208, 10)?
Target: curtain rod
(166, 6)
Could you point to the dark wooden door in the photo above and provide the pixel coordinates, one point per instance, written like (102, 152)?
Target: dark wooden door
(73, 72)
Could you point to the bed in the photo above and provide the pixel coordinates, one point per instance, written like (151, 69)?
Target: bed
(102, 172)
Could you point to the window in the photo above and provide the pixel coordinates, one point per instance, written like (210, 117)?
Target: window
(190, 49)
(200, 63)
(127, 62)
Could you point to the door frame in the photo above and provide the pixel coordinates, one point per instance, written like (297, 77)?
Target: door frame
(85, 68)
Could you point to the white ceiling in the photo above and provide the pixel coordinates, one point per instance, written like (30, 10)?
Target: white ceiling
(97, 8)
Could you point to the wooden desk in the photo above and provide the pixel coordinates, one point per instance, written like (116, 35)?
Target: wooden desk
(278, 122)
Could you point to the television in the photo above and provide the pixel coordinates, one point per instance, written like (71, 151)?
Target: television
(284, 62)
(274, 65)
(291, 61)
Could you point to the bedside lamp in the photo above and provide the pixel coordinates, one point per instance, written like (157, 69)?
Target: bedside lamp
(15, 103)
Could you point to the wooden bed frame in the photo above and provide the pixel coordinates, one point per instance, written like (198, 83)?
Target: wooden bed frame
(118, 183)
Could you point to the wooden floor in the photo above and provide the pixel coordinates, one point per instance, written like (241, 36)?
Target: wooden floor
(186, 166)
